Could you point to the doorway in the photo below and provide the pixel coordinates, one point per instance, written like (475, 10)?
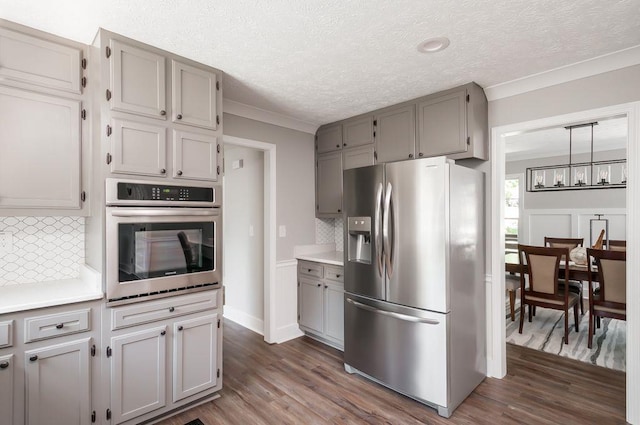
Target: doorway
(249, 234)
(496, 320)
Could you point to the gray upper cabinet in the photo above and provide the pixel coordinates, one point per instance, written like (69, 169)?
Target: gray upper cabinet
(453, 123)
(329, 138)
(395, 133)
(40, 164)
(442, 125)
(138, 84)
(194, 96)
(329, 185)
(33, 60)
(138, 148)
(357, 132)
(195, 156)
(357, 157)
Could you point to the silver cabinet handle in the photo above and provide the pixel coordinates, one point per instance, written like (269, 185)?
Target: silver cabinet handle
(376, 229)
(385, 230)
(398, 316)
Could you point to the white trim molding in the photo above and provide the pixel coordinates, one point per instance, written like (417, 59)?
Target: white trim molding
(247, 111)
(243, 319)
(496, 360)
(286, 319)
(587, 68)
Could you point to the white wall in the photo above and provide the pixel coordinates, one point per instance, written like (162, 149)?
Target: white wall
(243, 230)
(295, 204)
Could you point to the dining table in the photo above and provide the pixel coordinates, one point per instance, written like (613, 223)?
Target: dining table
(576, 271)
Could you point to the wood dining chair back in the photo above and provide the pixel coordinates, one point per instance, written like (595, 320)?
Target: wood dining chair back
(569, 243)
(541, 267)
(617, 245)
(610, 300)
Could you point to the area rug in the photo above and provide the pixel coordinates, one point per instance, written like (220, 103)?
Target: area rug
(546, 332)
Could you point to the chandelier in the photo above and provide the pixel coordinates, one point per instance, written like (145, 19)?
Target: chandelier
(581, 175)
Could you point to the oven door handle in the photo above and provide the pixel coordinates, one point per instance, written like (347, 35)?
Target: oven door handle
(174, 212)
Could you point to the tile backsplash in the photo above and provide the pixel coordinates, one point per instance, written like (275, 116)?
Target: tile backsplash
(329, 230)
(44, 248)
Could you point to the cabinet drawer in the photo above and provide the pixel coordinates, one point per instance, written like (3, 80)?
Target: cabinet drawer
(310, 269)
(6, 334)
(53, 325)
(334, 273)
(136, 314)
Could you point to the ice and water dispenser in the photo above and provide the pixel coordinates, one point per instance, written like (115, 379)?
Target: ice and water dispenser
(359, 239)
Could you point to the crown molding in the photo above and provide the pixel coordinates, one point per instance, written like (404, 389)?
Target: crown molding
(247, 111)
(575, 71)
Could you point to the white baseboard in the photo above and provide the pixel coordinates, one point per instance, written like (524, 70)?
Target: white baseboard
(243, 319)
(288, 333)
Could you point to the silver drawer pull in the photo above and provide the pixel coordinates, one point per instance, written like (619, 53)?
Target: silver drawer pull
(399, 316)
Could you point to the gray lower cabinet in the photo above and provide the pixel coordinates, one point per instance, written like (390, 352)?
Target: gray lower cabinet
(329, 185)
(162, 355)
(58, 384)
(395, 133)
(321, 302)
(7, 370)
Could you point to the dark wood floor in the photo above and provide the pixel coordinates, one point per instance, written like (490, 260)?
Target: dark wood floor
(303, 382)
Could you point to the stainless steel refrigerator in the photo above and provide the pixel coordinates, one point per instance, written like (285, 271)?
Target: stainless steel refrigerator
(414, 278)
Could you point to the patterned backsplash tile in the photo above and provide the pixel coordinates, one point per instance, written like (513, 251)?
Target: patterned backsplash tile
(329, 230)
(44, 248)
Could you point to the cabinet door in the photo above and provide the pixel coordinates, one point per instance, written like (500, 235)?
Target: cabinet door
(195, 156)
(358, 157)
(195, 360)
(334, 312)
(396, 134)
(442, 125)
(40, 62)
(310, 304)
(329, 138)
(138, 369)
(194, 96)
(138, 148)
(40, 145)
(58, 390)
(137, 81)
(6, 389)
(357, 132)
(329, 183)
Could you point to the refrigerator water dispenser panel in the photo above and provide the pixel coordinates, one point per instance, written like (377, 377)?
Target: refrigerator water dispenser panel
(359, 239)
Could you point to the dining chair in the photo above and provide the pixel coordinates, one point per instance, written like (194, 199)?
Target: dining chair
(617, 245)
(610, 298)
(541, 267)
(511, 284)
(570, 243)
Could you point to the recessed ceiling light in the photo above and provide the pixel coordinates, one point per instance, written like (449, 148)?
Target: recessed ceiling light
(433, 45)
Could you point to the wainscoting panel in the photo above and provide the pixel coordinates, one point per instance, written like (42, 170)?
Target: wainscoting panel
(286, 301)
(568, 223)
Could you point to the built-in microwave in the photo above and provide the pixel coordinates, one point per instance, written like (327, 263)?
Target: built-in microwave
(161, 239)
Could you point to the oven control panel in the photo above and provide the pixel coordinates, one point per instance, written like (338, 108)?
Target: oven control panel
(129, 191)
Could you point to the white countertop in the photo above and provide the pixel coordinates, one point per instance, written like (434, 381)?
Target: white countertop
(29, 296)
(328, 257)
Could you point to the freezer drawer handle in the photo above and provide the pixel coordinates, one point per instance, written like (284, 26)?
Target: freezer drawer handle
(399, 316)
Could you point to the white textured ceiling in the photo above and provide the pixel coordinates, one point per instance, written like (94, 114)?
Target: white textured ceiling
(320, 61)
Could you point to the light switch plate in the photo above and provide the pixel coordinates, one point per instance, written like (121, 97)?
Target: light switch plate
(282, 231)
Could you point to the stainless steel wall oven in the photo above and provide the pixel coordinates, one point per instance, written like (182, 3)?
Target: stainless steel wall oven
(161, 239)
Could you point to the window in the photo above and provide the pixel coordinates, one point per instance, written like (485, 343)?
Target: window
(512, 189)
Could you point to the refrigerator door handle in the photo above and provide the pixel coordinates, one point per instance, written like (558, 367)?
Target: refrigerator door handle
(376, 230)
(399, 316)
(386, 213)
